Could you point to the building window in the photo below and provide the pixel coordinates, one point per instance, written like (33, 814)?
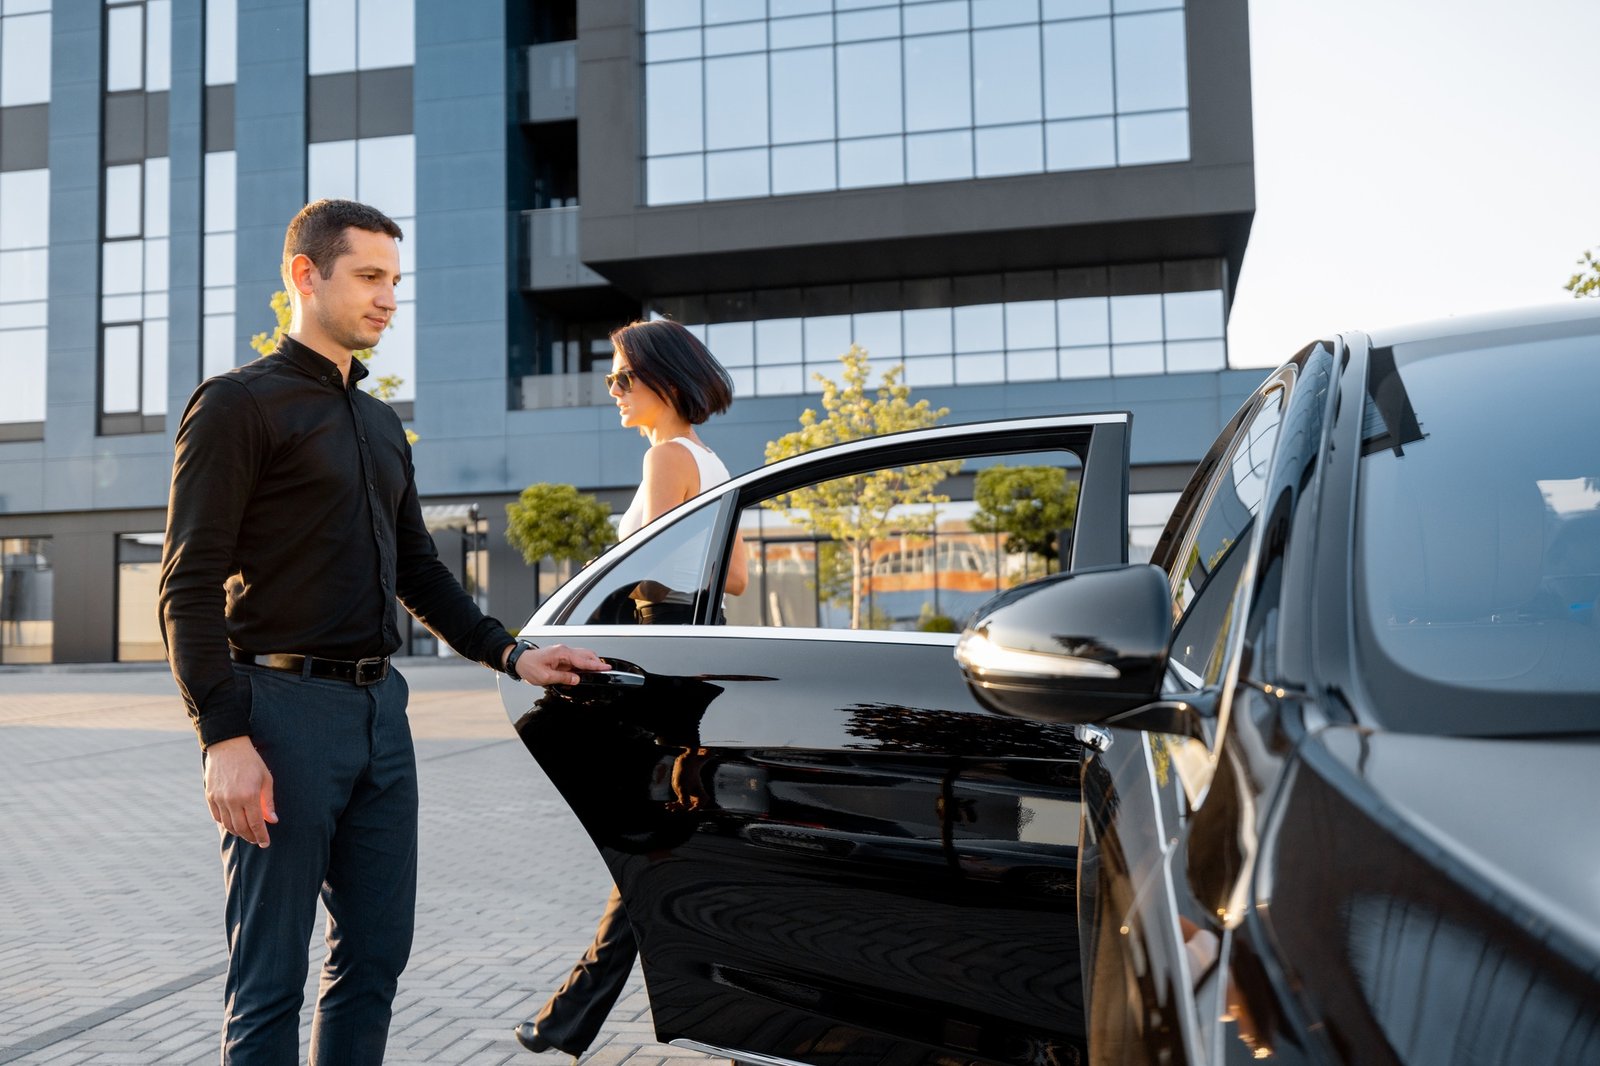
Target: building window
(24, 215)
(380, 171)
(219, 350)
(138, 588)
(361, 35)
(813, 95)
(1034, 326)
(362, 146)
(26, 600)
(24, 307)
(134, 219)
(1147, 517)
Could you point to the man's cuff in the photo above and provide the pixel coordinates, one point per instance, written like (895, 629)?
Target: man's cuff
(216, 726)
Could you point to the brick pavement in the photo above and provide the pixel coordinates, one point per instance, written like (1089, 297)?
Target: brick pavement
(111, 943)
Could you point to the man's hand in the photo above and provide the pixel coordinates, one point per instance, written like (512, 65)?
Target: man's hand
(555, 664)
(239, 789)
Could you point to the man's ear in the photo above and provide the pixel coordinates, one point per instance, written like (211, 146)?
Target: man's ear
(302, 272)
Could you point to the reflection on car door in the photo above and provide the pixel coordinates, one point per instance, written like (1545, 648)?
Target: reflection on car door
(1153, 982)
(826, 847)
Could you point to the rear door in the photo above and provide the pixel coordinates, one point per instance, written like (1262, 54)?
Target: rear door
(826, 847)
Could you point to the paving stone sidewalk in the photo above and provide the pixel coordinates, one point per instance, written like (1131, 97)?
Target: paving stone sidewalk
(111, 940)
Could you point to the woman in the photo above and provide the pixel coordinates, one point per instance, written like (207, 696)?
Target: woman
(664, 383)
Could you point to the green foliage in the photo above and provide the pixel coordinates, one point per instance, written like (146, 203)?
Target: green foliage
(383, 386)
(856, 510)
(1586, 282)
(283, 312)
(928, 622)
(1031, 505)
(558, 522)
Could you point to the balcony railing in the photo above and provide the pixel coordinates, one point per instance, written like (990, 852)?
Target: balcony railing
(552, 72)
(564, 390)
(550, 251)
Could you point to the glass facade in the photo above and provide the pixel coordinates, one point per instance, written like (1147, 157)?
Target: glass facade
(27, 600)
(134, 219)
(24, 215)
(772, 97)
(361, 142)
(1037, 326)
(138, 587)
(219, 350)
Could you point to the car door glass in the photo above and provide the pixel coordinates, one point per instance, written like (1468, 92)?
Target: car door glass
(907, 547)
(1218, 546)
(659, 582)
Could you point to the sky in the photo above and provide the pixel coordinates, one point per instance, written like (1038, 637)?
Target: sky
(1415, 159)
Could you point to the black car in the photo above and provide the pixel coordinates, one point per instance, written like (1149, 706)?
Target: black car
(1317, 784)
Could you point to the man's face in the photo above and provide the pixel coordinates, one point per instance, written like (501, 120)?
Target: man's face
(353, 304)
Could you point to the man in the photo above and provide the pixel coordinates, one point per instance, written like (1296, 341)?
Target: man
(293, 525)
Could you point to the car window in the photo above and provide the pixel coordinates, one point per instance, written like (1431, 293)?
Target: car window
(1478, 533)
(659, 582)
(908, 547)
(1217, 546)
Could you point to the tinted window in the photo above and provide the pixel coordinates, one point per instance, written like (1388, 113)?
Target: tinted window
(907, 547)
(1478, 534)
(659, 582)
(1218, 543)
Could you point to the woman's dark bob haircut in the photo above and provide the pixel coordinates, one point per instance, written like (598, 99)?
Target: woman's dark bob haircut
(672, 361)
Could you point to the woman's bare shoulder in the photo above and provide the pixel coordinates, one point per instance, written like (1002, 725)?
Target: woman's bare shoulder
(669, 457)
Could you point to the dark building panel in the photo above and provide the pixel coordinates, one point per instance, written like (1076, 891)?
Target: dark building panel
(219, 118)
(331, 107)
(383, 99)
(365, 103)
(156, 125)
(125, 133)
(25, 137)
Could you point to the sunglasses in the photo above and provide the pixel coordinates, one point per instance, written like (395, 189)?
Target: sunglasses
(623, 378)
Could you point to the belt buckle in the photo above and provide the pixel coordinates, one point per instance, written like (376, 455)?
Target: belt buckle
(379, 670)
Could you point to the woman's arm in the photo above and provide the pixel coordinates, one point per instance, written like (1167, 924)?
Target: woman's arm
(738, 567)
(672, 476)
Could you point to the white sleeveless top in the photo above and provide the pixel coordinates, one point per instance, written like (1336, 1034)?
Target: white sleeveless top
(712, 472)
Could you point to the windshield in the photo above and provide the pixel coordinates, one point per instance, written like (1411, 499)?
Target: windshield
(1478, 534)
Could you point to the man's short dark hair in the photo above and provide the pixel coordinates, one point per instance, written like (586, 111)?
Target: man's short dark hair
(671, 360)
(317, 232)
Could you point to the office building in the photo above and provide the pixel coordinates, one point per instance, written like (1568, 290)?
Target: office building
(1033, 205)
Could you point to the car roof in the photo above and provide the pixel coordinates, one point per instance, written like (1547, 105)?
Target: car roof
(1576, 310)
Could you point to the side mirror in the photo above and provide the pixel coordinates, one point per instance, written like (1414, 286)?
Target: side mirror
(1073, 648)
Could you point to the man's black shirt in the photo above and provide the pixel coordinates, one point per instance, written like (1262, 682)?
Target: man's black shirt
(292, 526)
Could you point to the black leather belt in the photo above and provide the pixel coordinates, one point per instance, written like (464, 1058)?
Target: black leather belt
(359, 672)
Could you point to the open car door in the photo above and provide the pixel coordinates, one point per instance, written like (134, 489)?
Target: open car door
(826, 847)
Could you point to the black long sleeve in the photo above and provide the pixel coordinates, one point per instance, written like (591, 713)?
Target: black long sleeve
(292, 525)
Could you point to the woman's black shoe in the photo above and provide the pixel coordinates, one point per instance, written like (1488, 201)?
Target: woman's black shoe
(527, 1035)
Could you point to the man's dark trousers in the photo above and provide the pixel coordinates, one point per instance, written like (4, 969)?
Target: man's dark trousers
(344, 780)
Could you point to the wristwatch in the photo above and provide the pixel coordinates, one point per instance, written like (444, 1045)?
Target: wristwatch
(516, 653)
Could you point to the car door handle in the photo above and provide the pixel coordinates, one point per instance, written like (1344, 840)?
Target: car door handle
(600, 680)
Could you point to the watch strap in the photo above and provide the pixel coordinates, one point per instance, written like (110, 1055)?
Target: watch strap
(516, 653)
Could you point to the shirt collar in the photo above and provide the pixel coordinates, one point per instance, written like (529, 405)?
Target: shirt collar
(316, 364)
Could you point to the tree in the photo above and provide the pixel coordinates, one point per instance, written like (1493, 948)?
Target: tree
(550, 521)
(1031, 505)
(383, 387)
(856, 510)
(1586, 282)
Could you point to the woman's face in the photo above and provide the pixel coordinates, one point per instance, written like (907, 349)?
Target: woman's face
(640, 407)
